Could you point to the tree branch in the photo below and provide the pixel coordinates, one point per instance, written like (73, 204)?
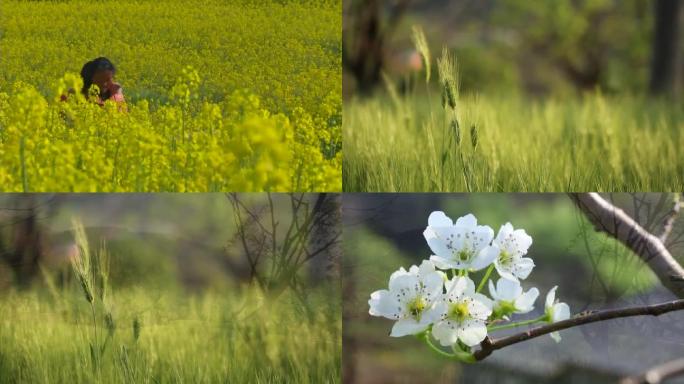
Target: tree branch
(658, 373)
(488, 345)
(670, 218)
(616, 223)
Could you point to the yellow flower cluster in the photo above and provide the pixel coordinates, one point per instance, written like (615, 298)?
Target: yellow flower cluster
(188, 145)
(244, 97)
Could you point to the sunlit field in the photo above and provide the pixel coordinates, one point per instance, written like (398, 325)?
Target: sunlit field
(589, 143)
(219, 337)
(240, 96)
(511, 96)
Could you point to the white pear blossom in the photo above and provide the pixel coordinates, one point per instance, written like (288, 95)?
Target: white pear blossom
(555, 311)
(512, 244)
(464, 314)
(423, 301)
(509, 298)
(463, 245)
(410, 300)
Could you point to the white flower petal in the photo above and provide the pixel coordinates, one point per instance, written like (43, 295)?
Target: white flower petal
(435, 313)
(406, 283)
(470, 286)
(522, 240)
(436, 242)
(426, 267)
(382, 303)
(483, 236)
(439, 219)
(489, 303)
(550, 297)
(467, 221)
(525, 302)
(445, 332)
(555, 336)
(472, 332)
(480, 307)
(443, 263)
(508, 289)
(504, 232)
(433, 286)
(504, 271)
(400, 272)
(485, 257)
(523, 267)
(457, 287)
(492, 291)
(409, 326)
(561, 311)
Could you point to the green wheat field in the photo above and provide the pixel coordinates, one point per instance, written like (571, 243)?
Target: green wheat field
(590, 143)
(150, 298)
(227, 337)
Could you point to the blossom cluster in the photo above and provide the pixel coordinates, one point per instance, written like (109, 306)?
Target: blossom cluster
(426, 301)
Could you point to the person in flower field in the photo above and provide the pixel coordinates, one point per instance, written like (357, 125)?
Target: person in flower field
(100, 72)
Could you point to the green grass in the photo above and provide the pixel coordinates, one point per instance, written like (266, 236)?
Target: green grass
(221, 337)
(589, 143)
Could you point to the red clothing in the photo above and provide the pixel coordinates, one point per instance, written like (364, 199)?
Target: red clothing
(114, 93)
(118, 96)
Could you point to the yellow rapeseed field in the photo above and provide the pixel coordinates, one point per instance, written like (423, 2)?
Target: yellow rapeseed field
(221, 95)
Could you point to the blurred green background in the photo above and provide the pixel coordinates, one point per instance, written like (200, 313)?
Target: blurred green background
(384, 232)
(560, 47)
(168, 242)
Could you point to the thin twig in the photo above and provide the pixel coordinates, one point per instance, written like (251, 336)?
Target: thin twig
(235, 202)
(488, 345)
(657, 374)
(670, 218)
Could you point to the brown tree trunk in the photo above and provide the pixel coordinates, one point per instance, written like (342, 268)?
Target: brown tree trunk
(326, 236)
(364, 56)
(370, 24)
(25, 251)
(664, 64)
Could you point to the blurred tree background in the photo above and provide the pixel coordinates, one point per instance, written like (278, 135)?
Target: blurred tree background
(185, 242)
(384, 232)
(537, 47)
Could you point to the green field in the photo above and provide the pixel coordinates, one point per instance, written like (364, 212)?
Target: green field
(588, 143)
(227, 337)
(162, 294)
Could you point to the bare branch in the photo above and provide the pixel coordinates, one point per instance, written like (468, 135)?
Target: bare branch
(274, 226)
(616, 223)
(488, 345)
(670, 218)
(658, 373)
(252, 258)
(324, 247)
